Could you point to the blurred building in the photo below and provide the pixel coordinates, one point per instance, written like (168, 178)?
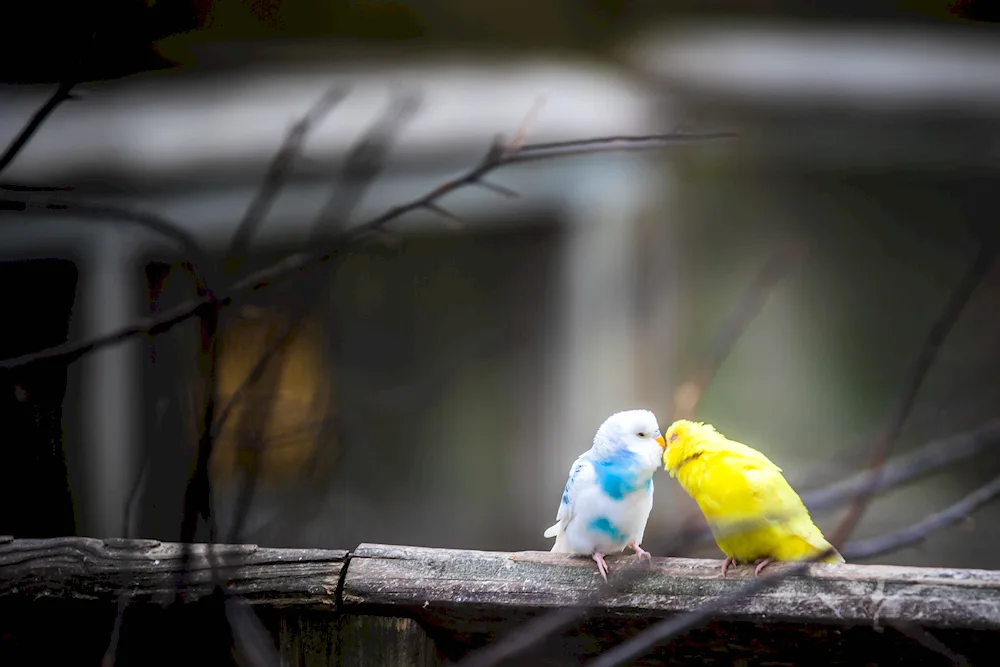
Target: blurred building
(447, 379)
(451, 373)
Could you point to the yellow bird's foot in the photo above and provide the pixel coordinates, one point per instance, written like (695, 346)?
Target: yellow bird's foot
(602, 567)
(726, 563)
(639, 551)
(761, 564)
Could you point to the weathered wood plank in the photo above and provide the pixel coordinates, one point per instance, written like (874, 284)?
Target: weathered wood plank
(319, 639)
(456, 587)
(308, 639)
(385, 641)
(151, 571)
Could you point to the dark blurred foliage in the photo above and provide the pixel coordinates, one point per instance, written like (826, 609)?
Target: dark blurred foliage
(107, 39)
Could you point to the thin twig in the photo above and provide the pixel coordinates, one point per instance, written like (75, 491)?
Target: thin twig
(198, 494)
(364, 162)
(618, 141)
(916, 533)
(517, 141)
(110, 653)
(929, 641)
(689, 393)
(931, 458)
(252, 641)
(300, 262)
(61, 94)
(277, 175)
(894, 423)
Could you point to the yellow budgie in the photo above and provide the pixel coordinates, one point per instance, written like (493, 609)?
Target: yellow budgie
(735, 484)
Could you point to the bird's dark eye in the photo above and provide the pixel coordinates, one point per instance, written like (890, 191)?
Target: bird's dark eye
(642, 435)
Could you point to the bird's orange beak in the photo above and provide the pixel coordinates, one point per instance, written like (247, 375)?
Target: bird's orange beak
(661, 442)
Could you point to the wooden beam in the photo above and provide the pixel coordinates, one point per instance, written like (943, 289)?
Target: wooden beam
(454, 588)
(454, 584)
(151, 571)
(422, 604)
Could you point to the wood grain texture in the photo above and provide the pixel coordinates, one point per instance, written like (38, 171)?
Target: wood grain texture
(385, 598)
(385, 641)
(153, 571)
(487, 585)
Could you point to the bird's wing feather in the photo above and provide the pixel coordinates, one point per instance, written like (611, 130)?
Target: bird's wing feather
(781, 505)
(581, 473)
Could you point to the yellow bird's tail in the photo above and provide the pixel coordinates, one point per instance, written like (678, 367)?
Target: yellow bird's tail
(795, 547)
(835, 557)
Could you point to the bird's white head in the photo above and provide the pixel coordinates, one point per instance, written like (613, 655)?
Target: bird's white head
(635, 430)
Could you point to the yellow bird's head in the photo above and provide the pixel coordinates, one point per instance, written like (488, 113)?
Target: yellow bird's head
(686, 440)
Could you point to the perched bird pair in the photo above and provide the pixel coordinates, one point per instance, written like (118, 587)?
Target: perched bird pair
(753, 512)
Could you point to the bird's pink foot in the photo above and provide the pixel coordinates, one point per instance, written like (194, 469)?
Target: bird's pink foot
(726, 563)
(639, 551)
(602, 567)
(761, 564)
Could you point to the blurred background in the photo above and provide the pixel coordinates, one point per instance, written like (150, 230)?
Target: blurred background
(447, 376)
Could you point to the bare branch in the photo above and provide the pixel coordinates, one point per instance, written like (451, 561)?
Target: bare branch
(499, 189)
(300, 262)
(621, 142)
(198, 494)
(926, 639)
(517, 141)
(61, 94)
(365, 161)
(931, 458)
(688, 394)
(894, 424)
(278, 173)
(450, 219)
(916, 533)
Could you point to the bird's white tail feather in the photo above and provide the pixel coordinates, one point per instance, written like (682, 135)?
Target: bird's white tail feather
(560, 545)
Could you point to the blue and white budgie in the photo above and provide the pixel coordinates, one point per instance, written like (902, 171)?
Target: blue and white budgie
(609, 493)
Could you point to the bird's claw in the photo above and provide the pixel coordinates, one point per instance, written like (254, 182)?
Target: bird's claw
(726, 563)
(640, 552)
(602, 567)
(761, 564)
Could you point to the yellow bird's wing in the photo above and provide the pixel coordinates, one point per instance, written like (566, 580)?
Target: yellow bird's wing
(781, 507)
(735, 484)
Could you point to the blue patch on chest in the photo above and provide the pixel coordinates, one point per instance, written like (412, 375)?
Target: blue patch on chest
(603, 525)
(618, 475)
